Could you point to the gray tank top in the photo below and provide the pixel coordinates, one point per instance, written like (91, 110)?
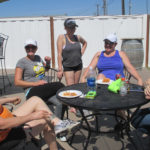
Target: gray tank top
(71, 53)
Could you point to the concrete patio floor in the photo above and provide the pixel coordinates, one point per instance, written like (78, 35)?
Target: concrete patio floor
(97, 142)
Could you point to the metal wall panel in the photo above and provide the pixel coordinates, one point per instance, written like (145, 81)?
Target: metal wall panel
(93, 29)
(21, 29)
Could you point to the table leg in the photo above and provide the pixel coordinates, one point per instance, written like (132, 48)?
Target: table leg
(89, 129)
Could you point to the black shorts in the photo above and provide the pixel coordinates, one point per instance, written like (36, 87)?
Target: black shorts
(14, 138)
(76, 68)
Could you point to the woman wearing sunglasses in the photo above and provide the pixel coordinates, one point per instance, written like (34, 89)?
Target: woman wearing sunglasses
(111, 62)
(30, 74)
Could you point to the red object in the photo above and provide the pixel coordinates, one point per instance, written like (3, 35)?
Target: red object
(122, 79)
(118, 76)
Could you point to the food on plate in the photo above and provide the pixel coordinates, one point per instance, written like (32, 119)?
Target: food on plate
(69, 94)
(106, 80)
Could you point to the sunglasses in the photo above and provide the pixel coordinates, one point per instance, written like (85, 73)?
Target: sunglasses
(30, 47)
(109, 43)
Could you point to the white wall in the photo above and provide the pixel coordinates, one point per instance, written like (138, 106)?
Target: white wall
(93, 29)
(21, 29)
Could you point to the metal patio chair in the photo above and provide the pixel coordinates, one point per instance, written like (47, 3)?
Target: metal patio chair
(3, 44)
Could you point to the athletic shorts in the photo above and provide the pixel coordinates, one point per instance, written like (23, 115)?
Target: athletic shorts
(75, 68)
(14, 138)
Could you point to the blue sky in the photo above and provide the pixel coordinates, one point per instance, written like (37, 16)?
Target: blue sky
(18, 8)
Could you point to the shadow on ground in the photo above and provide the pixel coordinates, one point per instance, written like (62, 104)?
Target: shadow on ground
(9, 89)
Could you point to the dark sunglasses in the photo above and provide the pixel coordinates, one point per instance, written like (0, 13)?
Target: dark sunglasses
(30, 47)
(109, 42)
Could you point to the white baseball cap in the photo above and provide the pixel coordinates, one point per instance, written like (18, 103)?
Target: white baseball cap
(111, 37)
(30, 42)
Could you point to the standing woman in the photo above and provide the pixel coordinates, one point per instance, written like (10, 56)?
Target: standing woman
(70, 51)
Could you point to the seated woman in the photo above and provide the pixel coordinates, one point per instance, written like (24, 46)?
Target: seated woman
(30, 74)
(33, 114)
(141, 120)
(111, 62)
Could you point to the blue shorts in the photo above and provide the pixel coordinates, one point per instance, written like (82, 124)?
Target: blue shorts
(141, 120)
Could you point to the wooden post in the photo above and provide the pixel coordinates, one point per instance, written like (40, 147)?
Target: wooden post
(147, 41)
(52, 41)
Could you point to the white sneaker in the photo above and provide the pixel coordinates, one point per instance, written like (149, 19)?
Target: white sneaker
(63, 139)
(66, 126)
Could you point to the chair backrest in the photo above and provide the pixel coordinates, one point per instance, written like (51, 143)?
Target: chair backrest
(127, 75)
(52, 75)
(3, 43)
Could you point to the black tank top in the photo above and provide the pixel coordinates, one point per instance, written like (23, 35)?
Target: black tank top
(71, 53)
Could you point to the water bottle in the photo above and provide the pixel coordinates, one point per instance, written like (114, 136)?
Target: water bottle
(123, 88)
(91, 80)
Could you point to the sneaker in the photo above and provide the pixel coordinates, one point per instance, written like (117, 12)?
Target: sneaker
(66, 126)
(62, 138)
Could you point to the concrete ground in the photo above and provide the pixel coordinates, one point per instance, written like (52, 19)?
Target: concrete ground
(98, 141)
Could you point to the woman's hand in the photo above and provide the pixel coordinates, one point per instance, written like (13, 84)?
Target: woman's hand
(60, 74)
(15, 100)
(47, 59)
(147, 92)
(41, 114)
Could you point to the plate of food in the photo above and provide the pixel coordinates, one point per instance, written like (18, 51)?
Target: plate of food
(104, 81)
(70, 93)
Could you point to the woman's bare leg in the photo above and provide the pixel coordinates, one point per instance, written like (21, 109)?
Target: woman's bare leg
(77, 76)
(72, 77)
(50, 138)
(35, 104)
(69, 77)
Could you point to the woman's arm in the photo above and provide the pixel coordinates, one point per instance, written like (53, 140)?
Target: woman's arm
(59, 57)
(84, 44)
(92, 64)
(22, 83)
(130, 67)
(14, 100)
(47, 62)
(19, 120)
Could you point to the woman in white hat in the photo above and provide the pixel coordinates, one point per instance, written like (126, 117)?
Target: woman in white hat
(30, 74)
(111, 62)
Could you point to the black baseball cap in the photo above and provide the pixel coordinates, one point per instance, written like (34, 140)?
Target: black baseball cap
(70, 23)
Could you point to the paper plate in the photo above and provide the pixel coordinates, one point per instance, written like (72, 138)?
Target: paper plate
(70, 93)
(101, 82)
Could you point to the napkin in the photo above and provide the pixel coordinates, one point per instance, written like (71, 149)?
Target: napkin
(115, 86)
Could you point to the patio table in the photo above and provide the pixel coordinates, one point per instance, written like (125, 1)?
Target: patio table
(104, 101)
